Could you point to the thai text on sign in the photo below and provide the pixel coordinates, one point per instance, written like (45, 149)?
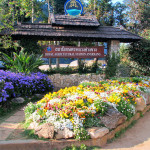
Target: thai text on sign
(73, 52)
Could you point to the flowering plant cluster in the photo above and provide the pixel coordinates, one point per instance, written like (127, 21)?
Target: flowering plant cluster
(18, 84)
(75, 107)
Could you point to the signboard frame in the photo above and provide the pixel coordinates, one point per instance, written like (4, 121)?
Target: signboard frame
(56, 51)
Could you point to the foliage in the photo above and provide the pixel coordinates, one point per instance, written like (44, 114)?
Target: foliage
(12, 12)
(101, 8)
(88, 84)
(82, 147)
(82, 106)
(120, 18)
(30, 108)
(125, 108)
(23, 62)
(139, 53)
(57, 6)
(24, 85)
(82, 68)
(6, 89)
(101, 106)
(123, 70)
(66, 70)
(136, 79)
(92, 122)
(107, 13)
(94, 67)
(112, 65)
(81, 134)
(30, 46)
(138, 13)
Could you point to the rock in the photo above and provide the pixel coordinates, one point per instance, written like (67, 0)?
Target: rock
(39, 95)
(64, 134)
(18, 100)
(97, 132)
(45, 130)
(140, 106)
(146, 97)
(113, 118)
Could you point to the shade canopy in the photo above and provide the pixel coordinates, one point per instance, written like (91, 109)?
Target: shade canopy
(66, 28)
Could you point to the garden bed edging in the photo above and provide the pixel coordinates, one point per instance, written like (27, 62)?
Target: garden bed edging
(61, 81)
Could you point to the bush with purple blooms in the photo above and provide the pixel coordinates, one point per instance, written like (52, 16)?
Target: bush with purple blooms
(6, 89)
(18, 84)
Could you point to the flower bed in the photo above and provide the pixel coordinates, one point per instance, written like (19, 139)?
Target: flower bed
(88, 110)
(19, 84)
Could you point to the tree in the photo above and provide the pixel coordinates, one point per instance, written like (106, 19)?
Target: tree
(138, 14)
(12, 12)
(56, 6)
(119, 14)
(102, 9)
(107, 13)
(139, 52)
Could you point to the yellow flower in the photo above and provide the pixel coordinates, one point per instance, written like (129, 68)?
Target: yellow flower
(66, 115)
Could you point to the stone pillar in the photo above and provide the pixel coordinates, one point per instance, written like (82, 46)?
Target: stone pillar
(113, 46)
(78, 60)
(49, 59)
(50, 63)
(57, 59)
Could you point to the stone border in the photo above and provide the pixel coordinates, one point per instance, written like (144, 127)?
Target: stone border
(60, 144)
(61, 81)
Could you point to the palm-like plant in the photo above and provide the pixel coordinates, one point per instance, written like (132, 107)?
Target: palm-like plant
(23, 62)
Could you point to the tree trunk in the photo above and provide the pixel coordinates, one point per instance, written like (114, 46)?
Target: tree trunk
(32, 11)
(57, 59)
(49, 14)
(96, 59)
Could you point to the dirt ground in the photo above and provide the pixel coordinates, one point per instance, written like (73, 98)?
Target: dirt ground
(135, 138)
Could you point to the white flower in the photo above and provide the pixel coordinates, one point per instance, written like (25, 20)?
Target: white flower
(55, 100)
(104, 94)
(73, 97)
(91, 95)
(77, 121)
(35, 116)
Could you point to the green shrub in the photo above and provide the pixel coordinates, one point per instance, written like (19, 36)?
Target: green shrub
(81, 134)
(67, 70)
(101, 106)
(82, 68)
(139, 52)
(125, 108)
(23, 62)
(112, 65)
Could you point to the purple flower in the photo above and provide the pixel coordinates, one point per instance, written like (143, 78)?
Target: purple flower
(19, 84)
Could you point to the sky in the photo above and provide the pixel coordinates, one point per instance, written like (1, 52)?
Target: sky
(114, 1)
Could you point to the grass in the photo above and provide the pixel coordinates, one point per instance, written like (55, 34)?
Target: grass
(82, 147)
(30, 134)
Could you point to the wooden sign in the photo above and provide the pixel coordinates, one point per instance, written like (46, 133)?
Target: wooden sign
(53, 51)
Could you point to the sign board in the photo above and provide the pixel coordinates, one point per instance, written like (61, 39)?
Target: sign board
(73, 52)
(73, 8)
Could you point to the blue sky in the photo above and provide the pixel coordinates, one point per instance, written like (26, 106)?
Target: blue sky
(114, 1)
